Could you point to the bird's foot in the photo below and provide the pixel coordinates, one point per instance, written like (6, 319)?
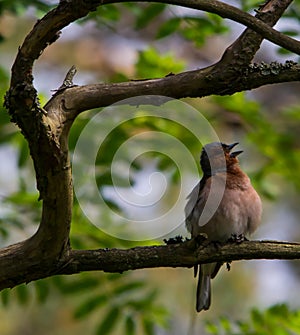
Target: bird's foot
(174, 240)
(235, 238)
(201, 239)
(196, 242)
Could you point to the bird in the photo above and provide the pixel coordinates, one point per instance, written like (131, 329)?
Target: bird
(235, 208)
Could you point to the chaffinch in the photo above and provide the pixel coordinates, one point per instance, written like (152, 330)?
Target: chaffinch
(234, 208)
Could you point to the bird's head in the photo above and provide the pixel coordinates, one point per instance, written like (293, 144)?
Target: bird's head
(217, 157)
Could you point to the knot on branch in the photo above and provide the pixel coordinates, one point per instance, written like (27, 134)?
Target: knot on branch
(68, 81)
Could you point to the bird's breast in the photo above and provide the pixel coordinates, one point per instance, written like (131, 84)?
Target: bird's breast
(239, 212)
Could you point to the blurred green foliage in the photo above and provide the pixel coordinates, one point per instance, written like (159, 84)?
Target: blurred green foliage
(275, 320)
(193, 28)
(124, 301)
(18, 7)
(154, 65)
(276, 138)
(162, 20)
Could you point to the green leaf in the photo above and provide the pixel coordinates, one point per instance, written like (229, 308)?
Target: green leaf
(109, 322)
(257, 317)
(42, 290)
(152, 64)
(83, 284)
(244, 327)
(3, 229)
(103, 15)
(129, 325)
(5, 296)
(226, 325)
(250, 4)
(109, 12)
(23, 198)
(148, 13)
(129, 287)
(143, 303)
(148, 326)
(197, 29)
(90, 305)
(168, 27)
(283, 51)
(22, 292)
(276, 320)
(4, 79)
(23, 154)
(291, 32)
(19, 6)
(211, 328)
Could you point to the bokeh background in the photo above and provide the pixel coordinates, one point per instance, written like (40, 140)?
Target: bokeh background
(131, 41)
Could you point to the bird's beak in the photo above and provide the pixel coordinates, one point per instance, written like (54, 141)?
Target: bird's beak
(231, 146)
(236, 153)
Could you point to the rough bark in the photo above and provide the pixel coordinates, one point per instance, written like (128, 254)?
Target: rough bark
(197, 83)
(178, 255)
(185, 254)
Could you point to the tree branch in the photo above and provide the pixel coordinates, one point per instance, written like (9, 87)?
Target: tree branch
(177, 255)
(228, 76)
(244, 48)
(186, 254)
(197, 83)
(229, 12)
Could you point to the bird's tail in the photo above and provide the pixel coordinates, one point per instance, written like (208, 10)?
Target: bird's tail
(203, 290)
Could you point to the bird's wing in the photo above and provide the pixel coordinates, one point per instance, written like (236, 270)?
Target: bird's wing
(195, 204)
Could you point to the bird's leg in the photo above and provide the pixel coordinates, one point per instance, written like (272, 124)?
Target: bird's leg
(200, 240)
(235, 238)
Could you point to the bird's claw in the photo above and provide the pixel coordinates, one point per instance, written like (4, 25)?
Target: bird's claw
(200, 239)
(174, 240)
(235, 238)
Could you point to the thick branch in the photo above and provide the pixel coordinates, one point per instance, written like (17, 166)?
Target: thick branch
(118, 260)
(244, 48)
(177, 255)
(197, 83)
